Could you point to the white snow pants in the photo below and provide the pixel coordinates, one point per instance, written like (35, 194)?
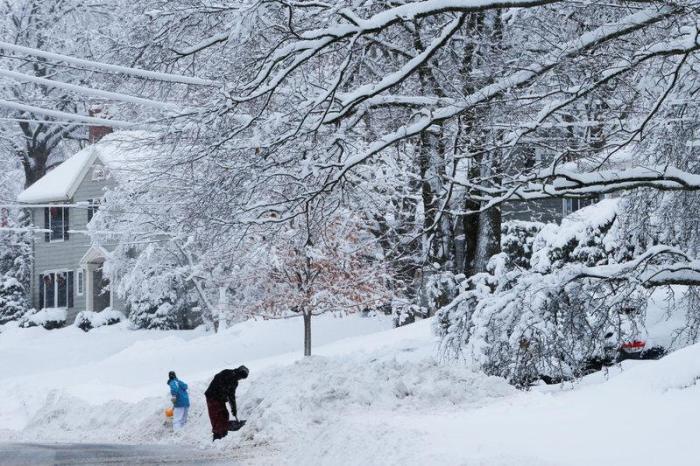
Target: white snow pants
(179, 418)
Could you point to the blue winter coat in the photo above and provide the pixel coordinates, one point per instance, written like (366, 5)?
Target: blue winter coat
(178, 389)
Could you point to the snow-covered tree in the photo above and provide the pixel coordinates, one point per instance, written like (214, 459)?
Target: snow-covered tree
(316, 263)
(15, 245)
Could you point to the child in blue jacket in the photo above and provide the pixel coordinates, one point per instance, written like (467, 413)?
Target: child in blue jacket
(180, 399)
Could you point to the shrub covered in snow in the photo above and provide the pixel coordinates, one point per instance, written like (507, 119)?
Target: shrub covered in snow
(15, 264)
(87, 320)
(13, 299)
(49, 318)
(440, 289)
(526, 318)
(404, 312)
(154, 286)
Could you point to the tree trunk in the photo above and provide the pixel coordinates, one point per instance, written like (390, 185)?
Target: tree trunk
(223, 309)
(471, 141)
(489, 241)
(470, 225)
(34, 165)
(428, 197)
(307, 333)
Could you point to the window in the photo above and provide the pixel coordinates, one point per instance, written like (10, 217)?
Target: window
(99, 173)
(568, 206)
(92, 208)
(80, 282)
(56, 289)
(61, 291)
(56, 223)
(572, 205)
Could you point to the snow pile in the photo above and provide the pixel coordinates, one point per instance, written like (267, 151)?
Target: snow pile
(49, 318)
(88, 320)
(314, 394)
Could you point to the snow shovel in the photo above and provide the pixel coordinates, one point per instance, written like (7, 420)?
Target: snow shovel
(235, 425)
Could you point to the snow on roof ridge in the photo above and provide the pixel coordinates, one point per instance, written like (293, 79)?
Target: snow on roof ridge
(61, 183)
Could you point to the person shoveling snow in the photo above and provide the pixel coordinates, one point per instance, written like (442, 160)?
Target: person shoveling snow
(180, 399)
(222, 389)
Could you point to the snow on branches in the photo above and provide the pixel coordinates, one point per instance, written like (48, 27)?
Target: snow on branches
(317, 263)
(549, 313)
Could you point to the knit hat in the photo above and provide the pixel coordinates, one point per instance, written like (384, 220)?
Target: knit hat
(242, 371)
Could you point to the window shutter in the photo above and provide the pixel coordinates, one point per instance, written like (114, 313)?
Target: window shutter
(47, 225)
(70, 285)
(66, 223)
(90, 210)
(41, 291)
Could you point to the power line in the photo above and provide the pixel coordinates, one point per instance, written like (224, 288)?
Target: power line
(86, 90)
(175, 78)
(69, 117)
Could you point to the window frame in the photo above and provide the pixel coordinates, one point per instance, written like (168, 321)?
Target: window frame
(93, 207)
(99, 173)
(53, 239)
(54, 279)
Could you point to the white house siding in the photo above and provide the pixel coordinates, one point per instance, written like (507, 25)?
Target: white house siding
(66, 255)
(543, 210)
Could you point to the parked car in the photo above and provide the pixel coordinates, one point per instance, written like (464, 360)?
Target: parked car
(637, 349)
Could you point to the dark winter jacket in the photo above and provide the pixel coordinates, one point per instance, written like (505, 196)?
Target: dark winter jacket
(223, 387)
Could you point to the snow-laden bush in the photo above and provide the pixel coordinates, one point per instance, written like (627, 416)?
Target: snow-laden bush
(49, 318)
(13, 299)
(88, 320)
(154, 286)
(155, 314)
(526, 318)
(404, 312)
(15, 263)
(440, 289)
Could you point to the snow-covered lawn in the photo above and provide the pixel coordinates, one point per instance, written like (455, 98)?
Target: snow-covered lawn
(370, 395)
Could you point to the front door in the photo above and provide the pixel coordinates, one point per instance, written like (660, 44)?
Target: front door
(100, 291)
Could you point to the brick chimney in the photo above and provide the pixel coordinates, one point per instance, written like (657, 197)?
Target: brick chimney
(96, 132)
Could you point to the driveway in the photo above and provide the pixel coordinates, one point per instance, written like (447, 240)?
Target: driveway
(64, 454)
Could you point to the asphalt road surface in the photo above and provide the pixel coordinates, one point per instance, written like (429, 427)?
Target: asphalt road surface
(64, 454)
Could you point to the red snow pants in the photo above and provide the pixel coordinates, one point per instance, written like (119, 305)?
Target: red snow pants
(218, 415)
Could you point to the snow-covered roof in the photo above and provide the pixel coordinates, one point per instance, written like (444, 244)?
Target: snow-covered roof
(122, 152)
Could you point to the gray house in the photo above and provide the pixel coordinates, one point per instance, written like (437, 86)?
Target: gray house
(67, 270)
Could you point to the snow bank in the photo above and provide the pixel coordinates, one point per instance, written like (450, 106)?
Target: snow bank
(642, 414)
(115, 366)
(316, 393)
(297, 407)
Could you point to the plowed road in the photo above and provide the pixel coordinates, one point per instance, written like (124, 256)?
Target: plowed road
(65, 454)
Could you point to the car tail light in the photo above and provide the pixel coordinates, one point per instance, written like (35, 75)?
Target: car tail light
(636, 345)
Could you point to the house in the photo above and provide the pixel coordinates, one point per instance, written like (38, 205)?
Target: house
(544, 210)
(67, 268)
